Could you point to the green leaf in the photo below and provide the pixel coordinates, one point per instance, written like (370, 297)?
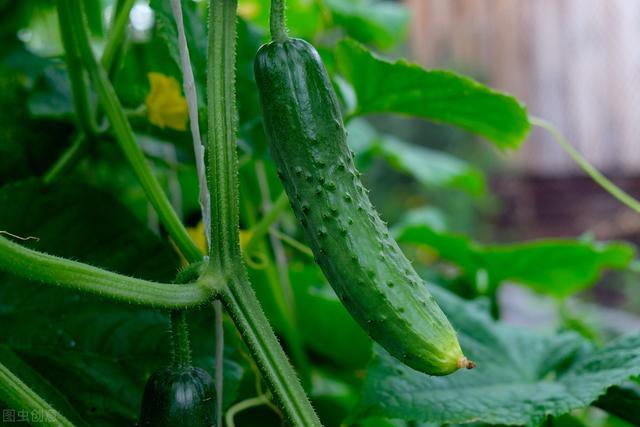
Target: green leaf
(622, 401)
(327, 327)
(431, 168)
(520, 377)
(304, 17)
(333, 396)
(383, 86)
(380, 23)
(96, 353)
(51, 98)
(558, 267)
(195, 34)
(27, 146)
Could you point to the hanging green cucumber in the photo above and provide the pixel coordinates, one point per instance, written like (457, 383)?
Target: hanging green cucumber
(352, 245)
(178, 396)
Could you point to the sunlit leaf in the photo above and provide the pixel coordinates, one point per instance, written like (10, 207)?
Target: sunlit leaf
(557, 267)
(381, 23)
(440, 96)
(432, 168)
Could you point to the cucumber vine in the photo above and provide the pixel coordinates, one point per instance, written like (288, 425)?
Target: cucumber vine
(221, 277)
(225, 278)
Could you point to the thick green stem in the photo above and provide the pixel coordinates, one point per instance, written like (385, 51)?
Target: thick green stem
(221, 144)
(20, 397)
(180, 338)
(38, 266)
(584, 164)
(85, 119)
(124, 134)
(277, 21)
(254, 327)
(225, 254)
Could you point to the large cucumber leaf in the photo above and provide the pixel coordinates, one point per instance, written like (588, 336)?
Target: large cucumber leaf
(440, 96)
(431, 168)
(380, 23)
(520, 378)
(558, 267)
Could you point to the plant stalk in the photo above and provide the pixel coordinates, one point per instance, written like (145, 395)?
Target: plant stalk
(258, 231)
(222, 156)
(277, 21)
(116, 35)
(72, 10)
(244, 309)
(617, 192)
(41, 267)
(180, 338)
(79, 90)
(67, 160)
(20, 396)
(78, 148)
(225, 255)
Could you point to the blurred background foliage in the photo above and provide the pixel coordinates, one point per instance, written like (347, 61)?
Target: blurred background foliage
(537, 315)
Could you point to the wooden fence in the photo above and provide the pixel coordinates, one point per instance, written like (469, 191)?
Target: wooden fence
(574, 62)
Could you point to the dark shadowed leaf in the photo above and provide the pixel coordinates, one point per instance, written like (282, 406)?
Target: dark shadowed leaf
(96, 353)
(39, 385)
(623, 401)
(326, 325)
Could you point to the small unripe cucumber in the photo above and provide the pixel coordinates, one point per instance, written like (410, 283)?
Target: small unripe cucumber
(178, 396)
(352, 245)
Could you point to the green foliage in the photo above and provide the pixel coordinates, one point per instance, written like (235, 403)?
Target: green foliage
(558, 267)
(325, 324)
(382, 24)
(441, 96)
(97, 354)
(90, 357)
(431, 168)
(521, 377)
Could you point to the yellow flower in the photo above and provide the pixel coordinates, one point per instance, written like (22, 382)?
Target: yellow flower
(166, 107)
(197, 235)
(245, 235)
(249, 9)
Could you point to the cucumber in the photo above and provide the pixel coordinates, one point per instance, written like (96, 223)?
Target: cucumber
(352, 245)
(178, 396)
